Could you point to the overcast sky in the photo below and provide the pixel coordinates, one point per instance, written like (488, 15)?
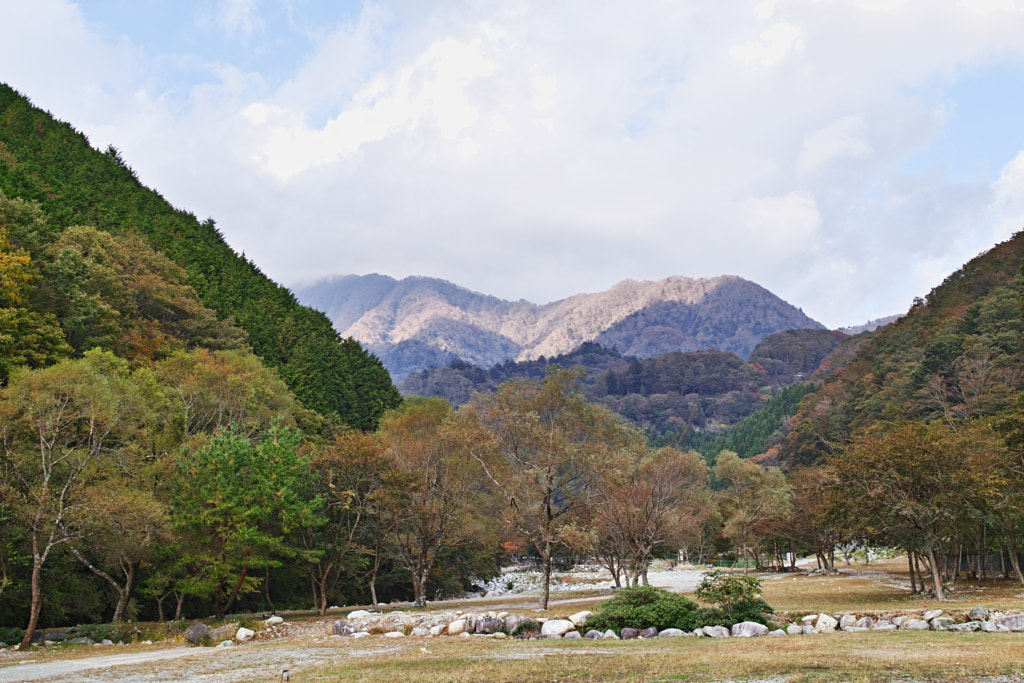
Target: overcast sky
(846, 155)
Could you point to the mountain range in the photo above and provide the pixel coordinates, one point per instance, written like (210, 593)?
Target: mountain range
(421, 322)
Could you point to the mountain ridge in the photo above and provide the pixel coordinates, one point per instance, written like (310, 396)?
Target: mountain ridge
(417, 322)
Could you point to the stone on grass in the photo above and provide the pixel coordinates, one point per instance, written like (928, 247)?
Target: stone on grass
(420, 632)
(794, 630)
(572, 635)
(941, 623)
(609, 635)
(244, 635)
(226, 643)
(808, 630)
(885, 627)
(966, 627)
(826, 623)
(899, 621)
(488, 625)
(628, 633)
(196, 632)
(225, 632)
(557, 627)
(931, 614)
(499, 636)
(777, 632)
(988, 627)
(865, 622)
(847, 620)
(852, 629)
(809, 618)
(671, 633)
(580, 618)
(593, 635)
(979, 614)
(1013, 622)
(915, 625)
(649, 633)
(394, 634)
(716, 632)
(512, 622)
(361, 634)
(343, 628)
(457, 627)
(273, 621)
(437, 630)
(358, 614)
(749, 629)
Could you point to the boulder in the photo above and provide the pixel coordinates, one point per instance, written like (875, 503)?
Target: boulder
(899, 621)
(609, 635)
(572, 635)
(809, 618)
(941, 623)
(808, 630)
(580, 618)
(885, 627)
(394, 634)
(342, 627)
(671, 633)
(420, 631)
(794, 630)
(826, 624)
(649, 633)
(865, 622)
(629, 633)
(358, 614)
(488, 625)
(226, 643)
(1012, 622)
(457, 627)
(273, 621)
(557, 627)
(987, 627)
(716, 632)
(966, 627)
(915, 625)
(593, 635)
(777, 632)
(512, 622)
(225, 632)
(196, 632)
(437, 630)
(749, 629)
(360, 634)
(979, 614)
(852, 629)
(847, 620)
(244, 635)
(931, 614)
(500, 636)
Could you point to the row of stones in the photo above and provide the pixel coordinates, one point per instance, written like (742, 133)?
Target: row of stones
(979, 619)
(225, 635)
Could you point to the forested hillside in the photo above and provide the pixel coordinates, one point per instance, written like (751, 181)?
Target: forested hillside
(47, 162)
(955, 355)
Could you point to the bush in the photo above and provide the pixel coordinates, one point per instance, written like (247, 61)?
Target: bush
(643, 607)
(98, 632)
(734, 598)
(11, 635)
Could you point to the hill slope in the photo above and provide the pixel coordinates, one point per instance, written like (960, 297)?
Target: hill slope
(420, 322)
(48, 162)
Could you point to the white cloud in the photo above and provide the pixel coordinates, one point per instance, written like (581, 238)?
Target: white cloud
(537, 149)
(843, 138)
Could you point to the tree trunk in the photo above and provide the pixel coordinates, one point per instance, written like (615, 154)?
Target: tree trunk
(37, 599)
(913, 579)
(124, 594)
(936, 575)
(266, 590)
(1011, 549)
(545, 581)
(179, 606)
(221, 612)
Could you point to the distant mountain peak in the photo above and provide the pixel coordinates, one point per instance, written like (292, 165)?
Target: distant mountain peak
(417, 322)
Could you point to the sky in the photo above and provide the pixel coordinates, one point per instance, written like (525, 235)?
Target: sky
(846, 155)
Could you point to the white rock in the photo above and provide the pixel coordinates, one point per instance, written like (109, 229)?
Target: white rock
(226, 643)
(464, 634)
(361, 634)
(557, 627)
(931, 614)
(457, 627)
(826, 624)
(610, 635)
(749, 629)
(716, 632)
(421, 632)
(916, 625)
(244, 635)
(580, 618)
(394, 634)
(809, 630)
(847, 620)
(794, 630)
(671, 633)
(272, 621)
(358, 614)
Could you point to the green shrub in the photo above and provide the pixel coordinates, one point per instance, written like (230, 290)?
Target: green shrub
(734, 598)
(11, 635)
(643, 607)
(100, 632)
(526, 629)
